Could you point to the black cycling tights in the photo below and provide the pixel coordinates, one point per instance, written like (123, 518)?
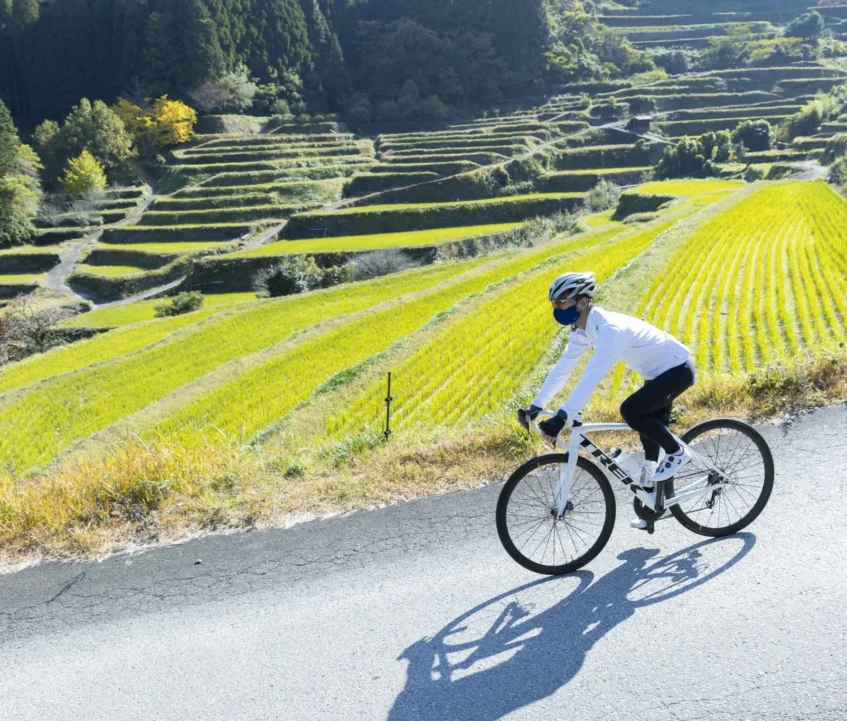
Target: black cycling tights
(648, 410)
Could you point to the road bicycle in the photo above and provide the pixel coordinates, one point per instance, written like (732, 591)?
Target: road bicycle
(557, 511)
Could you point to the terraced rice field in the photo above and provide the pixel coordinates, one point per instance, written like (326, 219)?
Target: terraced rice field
(379, 241)
(81, 403)
(143, 310)
(111, 270)
(481, 360)
(759, 282)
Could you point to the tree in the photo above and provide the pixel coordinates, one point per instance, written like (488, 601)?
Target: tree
(89, 126)
(717, 146)
(755, 135)
(5, 13)
(83, 176)
(9, 141)
(685, 158)
(24, 12)
(233, 92)
(173, 122)
(25, 330)
(182, 49)
(808, 26)
(166, 122)
(20, 189)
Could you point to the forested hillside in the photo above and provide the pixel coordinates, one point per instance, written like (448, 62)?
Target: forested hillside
(375, 59)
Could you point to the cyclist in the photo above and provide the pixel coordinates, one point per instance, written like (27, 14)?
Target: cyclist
(663, 361)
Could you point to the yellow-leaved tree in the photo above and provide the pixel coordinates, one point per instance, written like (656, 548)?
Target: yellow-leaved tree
(133, 117)
(166, 122)
(83, 175)
(173, 122)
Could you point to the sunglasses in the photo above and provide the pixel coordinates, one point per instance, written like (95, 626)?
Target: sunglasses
(563, 303)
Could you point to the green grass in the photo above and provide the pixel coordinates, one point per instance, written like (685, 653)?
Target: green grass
(373, 242)
(688, 188)
(175, 247)
(602, 171)
(20, 279)
(143, 310)
(597, 220)
(422, 206)
(27, 250)
(111, 270)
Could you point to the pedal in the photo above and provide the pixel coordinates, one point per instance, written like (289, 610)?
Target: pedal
(651, 528)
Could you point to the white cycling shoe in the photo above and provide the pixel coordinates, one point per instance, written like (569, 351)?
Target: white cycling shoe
(639, 523)
(672, 463)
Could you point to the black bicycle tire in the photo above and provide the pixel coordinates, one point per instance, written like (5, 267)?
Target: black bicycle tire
(767, 488)
(503, 504)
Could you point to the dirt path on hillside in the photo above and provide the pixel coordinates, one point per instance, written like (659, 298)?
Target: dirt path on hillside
(70, 254)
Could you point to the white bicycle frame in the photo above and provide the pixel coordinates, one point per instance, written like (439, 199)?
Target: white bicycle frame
(578, 441)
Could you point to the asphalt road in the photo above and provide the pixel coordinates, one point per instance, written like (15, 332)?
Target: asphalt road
(415, 613)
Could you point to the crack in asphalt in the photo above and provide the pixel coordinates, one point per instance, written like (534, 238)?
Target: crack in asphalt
(79, 599)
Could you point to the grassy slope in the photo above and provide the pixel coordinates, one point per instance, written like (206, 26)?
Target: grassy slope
(373, 242)
(145, 310)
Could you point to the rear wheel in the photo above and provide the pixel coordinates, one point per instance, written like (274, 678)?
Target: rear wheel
(741, 453)
(526, 509)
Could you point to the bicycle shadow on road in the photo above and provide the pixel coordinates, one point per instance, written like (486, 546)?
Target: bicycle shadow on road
(526, 644)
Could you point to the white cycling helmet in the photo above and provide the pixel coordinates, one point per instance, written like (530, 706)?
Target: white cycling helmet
(572, 285)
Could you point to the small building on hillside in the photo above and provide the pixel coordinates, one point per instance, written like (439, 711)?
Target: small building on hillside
(640, 123)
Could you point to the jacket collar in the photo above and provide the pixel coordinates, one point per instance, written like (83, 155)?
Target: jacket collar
(591, 324)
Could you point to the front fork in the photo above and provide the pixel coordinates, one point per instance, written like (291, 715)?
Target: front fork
(563, 486)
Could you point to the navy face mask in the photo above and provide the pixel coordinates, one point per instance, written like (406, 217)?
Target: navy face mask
(566, 316)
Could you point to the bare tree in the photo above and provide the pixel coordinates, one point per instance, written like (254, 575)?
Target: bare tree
(24, 330)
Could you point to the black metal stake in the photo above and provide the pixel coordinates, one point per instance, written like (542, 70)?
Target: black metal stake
(388, 400)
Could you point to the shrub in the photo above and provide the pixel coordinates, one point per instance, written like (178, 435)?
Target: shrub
(298, 275)
(180, 304)
(281, 108)
(838, 172)
(808, 26)
(603, 196)
(836, 148)
(641, 105)
(83, 176)
(809, 120)
(380, 262)
(755, 135)
(675, 62)
(753, 174)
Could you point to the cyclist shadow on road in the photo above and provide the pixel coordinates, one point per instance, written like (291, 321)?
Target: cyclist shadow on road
(526, 644)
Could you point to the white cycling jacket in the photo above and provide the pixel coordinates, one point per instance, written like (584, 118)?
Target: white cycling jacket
(613, 336)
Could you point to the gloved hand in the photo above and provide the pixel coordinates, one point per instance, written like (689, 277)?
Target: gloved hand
(552, 427)
(525, 415)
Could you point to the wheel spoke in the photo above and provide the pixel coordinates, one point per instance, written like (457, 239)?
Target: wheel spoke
(537, 535)
(739, 457)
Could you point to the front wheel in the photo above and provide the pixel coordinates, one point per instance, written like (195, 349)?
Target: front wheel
(740, 452)
(526, 510)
